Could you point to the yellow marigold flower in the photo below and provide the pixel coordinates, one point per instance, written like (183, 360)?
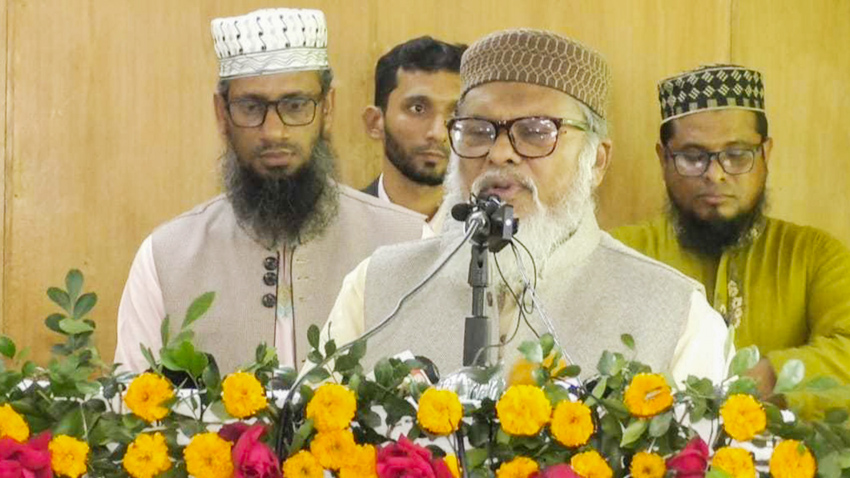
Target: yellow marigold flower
(647, 465)
(454, 467)
(439, 411)
(68, 456)
(208, 456)
(13, 425)
(147, 456)
(590, 464)
(519, 467)
(791, 459)
(572, 424)
(302, 465)
(332, 407)
(243, 395)
(523, 410)
(145, 396)
(737, 462)
(363, 463)
(648, 395)
(743, 417)
(521, 372)
(334, 448)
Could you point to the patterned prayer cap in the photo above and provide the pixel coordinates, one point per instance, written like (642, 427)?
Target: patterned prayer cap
(710, 87)
(540, 58)
(268, 41)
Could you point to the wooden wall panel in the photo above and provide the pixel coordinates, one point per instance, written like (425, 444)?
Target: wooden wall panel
(110, 127)
(3, 49)
(802, 51)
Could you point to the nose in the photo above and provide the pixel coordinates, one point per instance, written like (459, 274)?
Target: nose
(715, 172)
(273, 126)
(437, 131)
(502, 152)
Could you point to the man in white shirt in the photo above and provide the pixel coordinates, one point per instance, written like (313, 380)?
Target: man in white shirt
(275, 247)
(416, 89)
(531, 129)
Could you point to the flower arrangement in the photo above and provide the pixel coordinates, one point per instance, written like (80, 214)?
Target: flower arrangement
(78, 416)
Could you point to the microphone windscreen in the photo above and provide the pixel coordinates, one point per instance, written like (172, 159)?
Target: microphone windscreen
(460, 211)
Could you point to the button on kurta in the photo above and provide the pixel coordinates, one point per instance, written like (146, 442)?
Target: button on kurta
(269, 300)
(270, 278)
(270, 263)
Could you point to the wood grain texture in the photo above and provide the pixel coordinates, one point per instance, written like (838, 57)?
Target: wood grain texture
(110, 127)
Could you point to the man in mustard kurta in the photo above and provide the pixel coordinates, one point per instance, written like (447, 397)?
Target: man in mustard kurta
(785, 287)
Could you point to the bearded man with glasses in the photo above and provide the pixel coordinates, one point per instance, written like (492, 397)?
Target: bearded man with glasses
(784, 287)
(530, 127)
(276, 246)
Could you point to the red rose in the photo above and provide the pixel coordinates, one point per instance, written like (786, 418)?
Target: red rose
(557, 471)
(690, 462)
(25, 460)
(405, 459)
(232, 431)
(252, 458)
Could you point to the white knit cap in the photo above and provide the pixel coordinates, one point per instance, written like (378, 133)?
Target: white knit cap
(268, 41)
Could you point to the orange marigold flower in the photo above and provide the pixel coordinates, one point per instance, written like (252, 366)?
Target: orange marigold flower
(647, 395)
(146, 394)
(13, 425)
(454, 467)
(519, 467)
(647, 465)
(743, 417)
(572, 424)
(791, 459)
(736, 462)
(523, 410)
(68, 456)
(208, 456)
(333, 449)
(362, 464)
(439, 411)
(243, 394)
(302, 465)
(147, 456)
(332, 407)
(590, 464)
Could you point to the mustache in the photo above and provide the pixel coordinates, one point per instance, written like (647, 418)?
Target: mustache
(278, 146)
(432, 148)
(493, 177)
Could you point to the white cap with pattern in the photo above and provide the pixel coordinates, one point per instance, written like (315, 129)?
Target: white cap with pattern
(268, 41)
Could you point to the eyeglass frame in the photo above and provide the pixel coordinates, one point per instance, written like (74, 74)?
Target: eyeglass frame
(505, 125)
(715, 155)
(266, 103)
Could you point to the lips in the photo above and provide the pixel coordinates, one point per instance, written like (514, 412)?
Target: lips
(277, 157)
(714, 199)
(505, 189)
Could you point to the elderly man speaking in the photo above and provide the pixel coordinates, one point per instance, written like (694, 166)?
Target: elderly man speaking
(531, 129)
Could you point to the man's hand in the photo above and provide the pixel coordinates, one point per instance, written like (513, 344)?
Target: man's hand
(764, 376)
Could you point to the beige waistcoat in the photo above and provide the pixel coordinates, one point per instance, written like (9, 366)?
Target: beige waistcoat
(206, 250)
(592, 287)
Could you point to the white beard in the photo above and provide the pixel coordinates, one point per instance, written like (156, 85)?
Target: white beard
(546, 227)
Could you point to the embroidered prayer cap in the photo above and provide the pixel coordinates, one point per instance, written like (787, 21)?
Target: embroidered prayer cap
(540, 58)
(268, 41)
(710, 87)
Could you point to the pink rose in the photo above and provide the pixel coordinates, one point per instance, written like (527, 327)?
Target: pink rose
(690, 462)
(232, 431)
(405, 459)
(557, 471)
(252, 458)
(25, 460)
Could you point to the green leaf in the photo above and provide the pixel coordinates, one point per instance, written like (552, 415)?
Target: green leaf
(164, 330)
(71, 424)
(74, 283)
(745, 385)
(820, 384)
(659, 424)
(60, 297)
(744, 359)
(532, 351)
(199, 307)
(7, 347)
(358, 349)
(317, 375)
(73, 326)
(330, 348)
(791, 374)
(315, 356)
(300, 437)
(836, 416)
(184, 357)
(476, 457)
(715, 473)
(313, 336)
(384, 373)
(148, 355)
(633, 432)
(628, 341)
(610, 363)
(84, 304)
(52, 322)
(569, 371)
(547, 342)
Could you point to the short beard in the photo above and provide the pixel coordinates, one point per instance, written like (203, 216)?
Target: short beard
(546, 228)
(405, 164)
(283, 210)
(712, 237)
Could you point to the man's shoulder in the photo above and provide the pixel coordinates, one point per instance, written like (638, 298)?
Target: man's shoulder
(211, 209)
(642, 265)
(356, 201)
(783, 236)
